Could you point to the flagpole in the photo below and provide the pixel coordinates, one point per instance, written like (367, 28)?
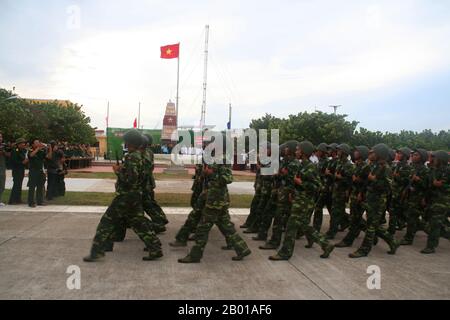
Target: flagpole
(178, 82)
(139, 116)
(107, 133)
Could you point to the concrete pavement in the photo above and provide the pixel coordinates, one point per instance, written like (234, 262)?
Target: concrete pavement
(37, 247)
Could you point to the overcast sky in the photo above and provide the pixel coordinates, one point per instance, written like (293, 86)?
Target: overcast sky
(386, 62)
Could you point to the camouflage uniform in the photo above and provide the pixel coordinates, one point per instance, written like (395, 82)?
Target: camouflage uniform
(283, 205)
(270, 209)
(357, 207)
(151, 207)
(439, 205)
(126, 209)
(417, 192)
(198, 201)
(324, 198)
(340, 196)
(252, 217)
(302, 207)
(216, 213)
(266, 193)
(377, 192)
(400, 182)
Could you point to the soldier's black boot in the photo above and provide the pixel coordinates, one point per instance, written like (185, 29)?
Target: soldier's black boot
(228, 247)
(343, 244)
(357, 254)
(242, 255)
(327, 251)
(188, 259)
(269, 246)
(393, 247)
(428, 251)
(310, 243)
(93, 258)
(277, 257)
(406, 242)
(153, 255)
(159, 229)
(177, 244)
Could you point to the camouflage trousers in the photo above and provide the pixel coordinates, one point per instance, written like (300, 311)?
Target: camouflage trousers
(283, 208)
(376, 206)
(338, 214)
(438, 215)
(324, 200)
(261, 206)
(124, 210)
(221, 218)
(357, 223)
(153, 209)
(397, 211)
(267, 216)
(302, 207)
(253, 215)
(192, 220)
(414, 211)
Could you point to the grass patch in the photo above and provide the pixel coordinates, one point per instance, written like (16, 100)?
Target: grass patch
(104, 199)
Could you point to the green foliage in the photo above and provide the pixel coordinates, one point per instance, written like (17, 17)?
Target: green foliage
(49, 121)
(321, 127)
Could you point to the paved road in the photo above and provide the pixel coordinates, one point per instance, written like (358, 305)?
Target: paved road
(37, 247)
(164, 186)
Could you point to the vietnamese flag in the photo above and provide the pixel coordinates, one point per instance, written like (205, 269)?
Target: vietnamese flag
(135, 123)
(171, 51)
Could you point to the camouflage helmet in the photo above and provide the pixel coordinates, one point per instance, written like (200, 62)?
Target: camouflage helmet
(381, 151)
(144, 141)
(282, 147)
(333, 147)
(441, 155)
(149, 138)
(306, 147)
(344, 148)
(406, 152)
(322, 147)
(291, 145)
(423, 154)
(363, 151)
(391, 155)
(133, 138)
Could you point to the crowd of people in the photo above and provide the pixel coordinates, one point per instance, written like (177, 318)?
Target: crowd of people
(46, 163)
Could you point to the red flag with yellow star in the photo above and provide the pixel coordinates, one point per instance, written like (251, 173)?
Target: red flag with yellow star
(171, 51)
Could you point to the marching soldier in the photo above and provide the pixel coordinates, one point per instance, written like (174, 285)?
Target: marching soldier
(126, 208)
(417, 192)
(307, 184)
(378, 187)
(283, 207)
(216, 212)
(151, 206)
(439, 199)
(357, 198)
(342, 184)
(324, 198)
(400, 183)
